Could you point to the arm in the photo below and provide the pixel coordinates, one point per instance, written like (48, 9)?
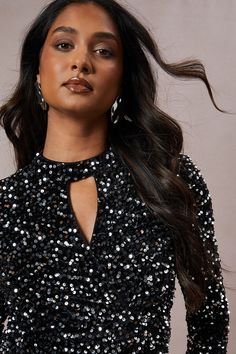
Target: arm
(3, 314)
(209, 326)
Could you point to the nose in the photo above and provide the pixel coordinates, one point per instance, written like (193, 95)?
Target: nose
(81, 62)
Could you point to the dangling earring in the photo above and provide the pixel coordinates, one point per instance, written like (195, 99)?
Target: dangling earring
(40, 98)
(116, 111)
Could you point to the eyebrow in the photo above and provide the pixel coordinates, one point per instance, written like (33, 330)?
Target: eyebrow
(99, 35)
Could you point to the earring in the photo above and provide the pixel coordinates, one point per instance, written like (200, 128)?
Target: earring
(40, 98)
(116, 111)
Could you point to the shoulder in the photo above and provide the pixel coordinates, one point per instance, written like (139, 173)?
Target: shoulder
(10, 180)
(187, 168)
(10, 187)
(192, 176)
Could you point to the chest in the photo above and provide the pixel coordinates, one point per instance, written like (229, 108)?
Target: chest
(83, 197)
(131, 252)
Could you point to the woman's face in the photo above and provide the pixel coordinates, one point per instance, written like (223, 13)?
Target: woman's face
(76, 46)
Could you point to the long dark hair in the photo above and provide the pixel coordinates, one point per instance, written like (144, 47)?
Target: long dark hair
(150, 145)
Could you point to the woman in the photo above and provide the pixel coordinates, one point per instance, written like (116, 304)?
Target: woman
(104, 210)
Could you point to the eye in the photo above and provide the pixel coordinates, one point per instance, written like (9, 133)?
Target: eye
(108, 53)
(63, 45)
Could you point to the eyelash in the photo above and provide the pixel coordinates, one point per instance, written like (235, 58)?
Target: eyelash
(110, 53)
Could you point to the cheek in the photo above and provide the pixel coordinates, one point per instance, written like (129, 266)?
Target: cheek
(113, 73)
(111, 79)
(50, 77)
(50, 69)
(110, 88)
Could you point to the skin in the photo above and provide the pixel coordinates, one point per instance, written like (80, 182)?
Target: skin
(77, 123)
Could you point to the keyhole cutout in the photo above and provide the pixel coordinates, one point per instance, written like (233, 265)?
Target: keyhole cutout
(84, 202)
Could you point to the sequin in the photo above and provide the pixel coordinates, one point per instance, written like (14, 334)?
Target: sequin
(61, 294)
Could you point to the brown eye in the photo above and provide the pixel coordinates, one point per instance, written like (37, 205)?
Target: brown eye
(105, 52)
(63, 46)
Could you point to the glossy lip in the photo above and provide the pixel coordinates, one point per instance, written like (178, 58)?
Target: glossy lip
(77, 84)
(77, 88)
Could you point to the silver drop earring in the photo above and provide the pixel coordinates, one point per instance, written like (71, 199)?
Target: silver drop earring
(40, 98)
(116, 111)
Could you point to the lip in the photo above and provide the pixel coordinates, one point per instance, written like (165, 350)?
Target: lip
(77, 88)
(78, 85)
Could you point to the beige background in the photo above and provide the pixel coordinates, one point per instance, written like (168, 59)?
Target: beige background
(205, 29)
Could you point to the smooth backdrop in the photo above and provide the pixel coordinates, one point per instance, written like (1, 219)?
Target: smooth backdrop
(204, 29)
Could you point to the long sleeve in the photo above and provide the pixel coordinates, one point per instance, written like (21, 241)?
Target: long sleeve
(208, 328)
(3, 315)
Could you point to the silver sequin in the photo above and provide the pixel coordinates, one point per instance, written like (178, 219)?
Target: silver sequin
(60, 294)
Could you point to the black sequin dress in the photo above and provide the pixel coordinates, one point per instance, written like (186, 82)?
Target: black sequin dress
(61, 294)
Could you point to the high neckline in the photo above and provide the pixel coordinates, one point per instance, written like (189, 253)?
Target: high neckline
(75, 170)
(96, 158)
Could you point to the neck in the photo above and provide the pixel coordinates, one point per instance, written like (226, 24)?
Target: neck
(71, 139)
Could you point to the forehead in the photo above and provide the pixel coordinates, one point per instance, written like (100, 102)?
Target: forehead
(85, 17)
